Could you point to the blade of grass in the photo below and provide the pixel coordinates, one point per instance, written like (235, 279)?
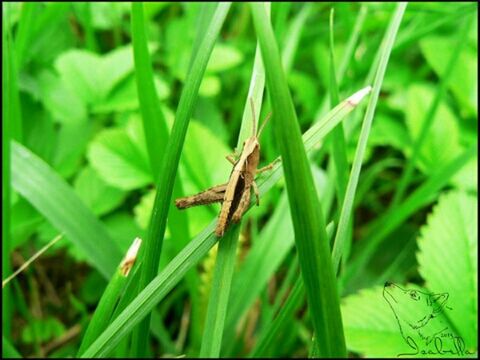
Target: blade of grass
(430, 115)
(226, 256)
(152, 250)
(422, 196)
(8, 117)
(61, 206)
(293, 302)
(339, 151)
(220, 291)
(347, 206)
(284, 310)
(106, 305)
(346, 59)
(24, 31)
(8, 351)
(154, 123)
(308, 221)
(31, 259)
(201, 244)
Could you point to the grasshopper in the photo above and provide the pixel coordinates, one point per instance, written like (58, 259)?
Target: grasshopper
(235, 194)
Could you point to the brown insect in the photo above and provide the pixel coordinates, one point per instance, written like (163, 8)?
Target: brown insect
(235, 194)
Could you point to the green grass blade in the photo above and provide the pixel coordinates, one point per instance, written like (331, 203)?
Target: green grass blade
(219, 294)
(156, 232)
(7, 119)
(351, 44)
(430, 115)
(339, 150)
(292, 303)
(347, 206)
(310, 235)
(104, 311)
(57, 201)
(8, 351)
(154, 123)
(199, 246)
(422, 196)
(24, 32)
(293, 35)
(226, 256)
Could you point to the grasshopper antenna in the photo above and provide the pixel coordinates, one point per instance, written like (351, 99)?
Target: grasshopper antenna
(264, 123)
(254, 128)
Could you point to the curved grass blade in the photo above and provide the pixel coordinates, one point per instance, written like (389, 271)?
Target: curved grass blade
(152, 250)
(154, 123)
(226, 256)
(161, 285)
(347, 206)
(219, 294)
(56, 200)
(106, 305)
(8, 117)
(310, 235)
(8, 351)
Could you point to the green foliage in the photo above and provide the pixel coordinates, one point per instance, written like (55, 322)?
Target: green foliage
(447, 256)
(116, 109)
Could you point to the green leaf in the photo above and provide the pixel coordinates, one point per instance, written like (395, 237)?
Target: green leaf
(308, 221)
(448, 259)
(56, 200)
(42, 330)
(463, 81)
(95, 193)
(124, 96)
(442, 143)
(59, 100)
(119, 156)
(224, 57)
(72, 140)
(91, 77)
(8, 351)
(371, 328)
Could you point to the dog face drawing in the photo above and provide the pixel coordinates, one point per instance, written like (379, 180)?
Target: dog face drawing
(416, 312)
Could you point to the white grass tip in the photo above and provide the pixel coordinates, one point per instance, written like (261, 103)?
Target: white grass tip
(355, 99)
(129, 259)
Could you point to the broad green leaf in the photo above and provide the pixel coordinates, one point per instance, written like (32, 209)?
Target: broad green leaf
(389, 131)
(25, 220)
(59, 100)
(448, 259)
(442, 144)
(463, 81)
(72, 140)
(371, 325)
(122, 228)
(124, 96)
(210, 86)
(90, 76)
(57, 201)
(119, 156)
(95, 193)
(224, 57)
(42, 330)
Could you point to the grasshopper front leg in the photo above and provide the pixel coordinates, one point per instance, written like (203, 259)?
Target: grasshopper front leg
(267, 167)
(232, 158)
